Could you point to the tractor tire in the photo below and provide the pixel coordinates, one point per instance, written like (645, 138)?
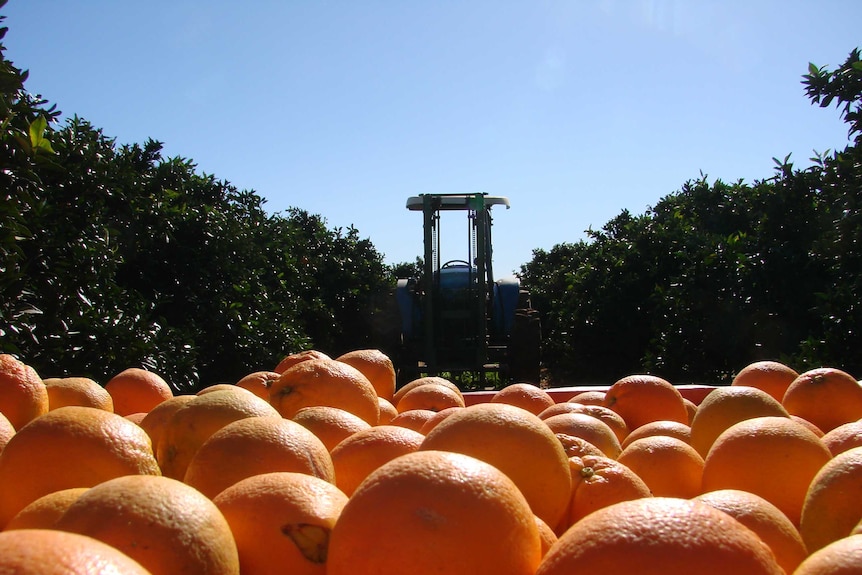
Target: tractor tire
(525, 347)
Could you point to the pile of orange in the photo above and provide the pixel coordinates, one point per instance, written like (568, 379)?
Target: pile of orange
(322, 466)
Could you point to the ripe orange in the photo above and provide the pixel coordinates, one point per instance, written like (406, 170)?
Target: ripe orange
(724, 406)
(606, 415)
(843, 437)
(773, 377)
(439, 416)
(330, 424)
(69, 447)
(431, 512)
(833, 503)
(586, 427)
(765, 519)
(256, 445)
(598, 482)
(432, 397)
(195, 421)
(816, 430)
(294, 358)
(399, 393)
(659, 535)
(155, 421)
(564, 407)
(691, 407)
(376, 366)
(667, 428)
(222, 387)
(282, 522)
(414, 419)
(325, 382)
(669, 466)
(83, 391)
(592, 397)
(773, 457)
(136, 418)
(50, 552)
(6, 431)
(577, 446)
(640, 399)
(387, 411)
(526, 396)
(841, 557)
(23, 396)
(546, 535)
(363, 452)
(45, 511)
(516, 442)
(258, 383)
(165, 525)
(136, 390)
(827, 397)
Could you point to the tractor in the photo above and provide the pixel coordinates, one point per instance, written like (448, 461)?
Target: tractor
(456, 319)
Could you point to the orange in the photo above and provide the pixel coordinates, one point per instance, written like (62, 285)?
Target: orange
(163, 524)
(195, 421)
(843, 437)
(256, 445)
(294, 358)
(156, 419)
(586, 427)
(360, 454)
(827, 397)
(49, 552)
(83, 391)
(282, 522)
(432, 397)
(330, 424)
(516, 442)
(773, 377)
(222, 387)
(439, 416)
(667, 428)
(258, 382)
(773, 457)
(526, 396)
(723, 407)
(816, 430)
(606, 415)
(691, 407)
(431, 512)
(592, 397)
(69, 447)
(324, 382)
(669, 466)
(575, 446)
(833, 503)
(640, 399)
(136, 390)
(376, 366)
(6, 431)
(422, 381)
(387, 411)
(659, 535)
(136, 418)
(45, 511)
(598, 482)
(765, 519)
(546, 535)
(23, 396)
(558, 408)
(414, 419)
(841, 557)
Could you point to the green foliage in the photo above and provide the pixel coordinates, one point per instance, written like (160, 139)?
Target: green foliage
(114, 256)
(718, 275)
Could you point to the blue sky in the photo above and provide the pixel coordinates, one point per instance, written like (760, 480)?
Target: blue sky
(574, 110)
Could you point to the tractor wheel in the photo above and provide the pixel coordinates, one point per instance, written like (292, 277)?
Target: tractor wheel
(525, 345)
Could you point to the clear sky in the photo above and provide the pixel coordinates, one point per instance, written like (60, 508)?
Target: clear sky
(574, 110)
